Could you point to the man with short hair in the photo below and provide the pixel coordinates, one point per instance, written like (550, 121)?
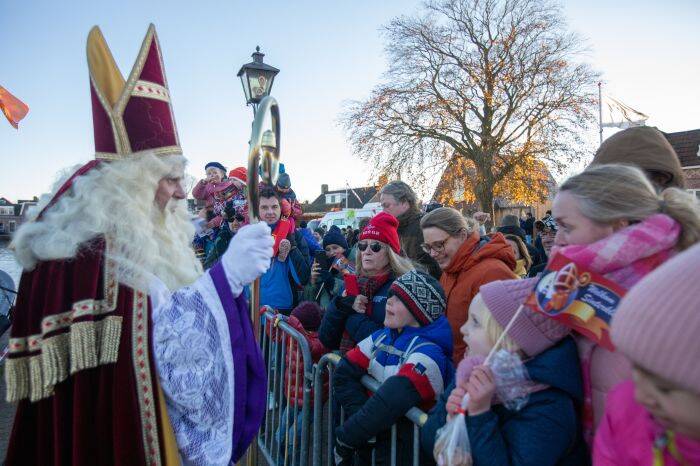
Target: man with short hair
(290, 266)
(398, 199)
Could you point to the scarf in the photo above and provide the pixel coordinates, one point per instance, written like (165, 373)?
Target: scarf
(280, 232)
(368, 287)
(624, 257)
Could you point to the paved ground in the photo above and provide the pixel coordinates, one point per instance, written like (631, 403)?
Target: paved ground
(7, 410)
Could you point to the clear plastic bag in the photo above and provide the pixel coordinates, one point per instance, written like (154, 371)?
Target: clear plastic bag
(512, 380)
(452, 446)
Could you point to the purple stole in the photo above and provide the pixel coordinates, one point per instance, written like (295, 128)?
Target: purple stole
(250, 381)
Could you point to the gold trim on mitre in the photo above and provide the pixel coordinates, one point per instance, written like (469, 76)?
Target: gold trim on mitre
(114, 92)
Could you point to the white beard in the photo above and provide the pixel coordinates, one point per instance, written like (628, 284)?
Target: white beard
(116, 199)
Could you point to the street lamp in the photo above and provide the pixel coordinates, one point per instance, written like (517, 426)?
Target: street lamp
(257, 78)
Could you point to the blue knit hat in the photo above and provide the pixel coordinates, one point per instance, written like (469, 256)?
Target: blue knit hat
(422, 295)
(215, 165)
(335, 236)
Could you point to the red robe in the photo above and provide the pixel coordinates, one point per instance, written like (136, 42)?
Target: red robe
(80, 364)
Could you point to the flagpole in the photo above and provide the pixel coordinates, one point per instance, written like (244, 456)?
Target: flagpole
(600, 111)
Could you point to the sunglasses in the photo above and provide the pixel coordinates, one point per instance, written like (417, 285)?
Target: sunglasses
(375, 247)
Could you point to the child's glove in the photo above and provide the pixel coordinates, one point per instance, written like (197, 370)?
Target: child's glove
(343, 454)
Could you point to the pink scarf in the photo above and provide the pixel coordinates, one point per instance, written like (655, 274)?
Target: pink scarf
(629, 254)
(625, 257)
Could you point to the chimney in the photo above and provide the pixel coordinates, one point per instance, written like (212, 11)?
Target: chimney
(324, 188)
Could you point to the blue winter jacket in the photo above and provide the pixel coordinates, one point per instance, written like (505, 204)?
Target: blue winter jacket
(547, 431)
(340, 317)
(413, 366)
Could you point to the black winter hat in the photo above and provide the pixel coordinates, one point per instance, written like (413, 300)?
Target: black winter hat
(421, 294)
(335, 236)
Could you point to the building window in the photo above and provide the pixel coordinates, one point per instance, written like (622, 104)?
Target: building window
(2, 228)
(12, 226)
(696, 192)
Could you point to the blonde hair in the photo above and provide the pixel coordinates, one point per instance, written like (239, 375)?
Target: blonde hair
(117, 199)
(493, 328)
(398, 264)
(610, 193)
(449, 220)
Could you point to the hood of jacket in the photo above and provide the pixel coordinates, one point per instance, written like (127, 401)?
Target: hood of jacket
(438, 332)
(476, 249)
(559, 368)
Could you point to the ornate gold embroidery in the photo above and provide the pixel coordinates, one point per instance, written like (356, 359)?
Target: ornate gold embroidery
(151, 91)
(144, 382)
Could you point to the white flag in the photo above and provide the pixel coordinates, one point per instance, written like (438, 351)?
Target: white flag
(618, 115)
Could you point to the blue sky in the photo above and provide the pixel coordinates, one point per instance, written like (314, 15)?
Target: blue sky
(329, 52)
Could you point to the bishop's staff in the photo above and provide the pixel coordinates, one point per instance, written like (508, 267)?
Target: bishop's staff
(263, 153)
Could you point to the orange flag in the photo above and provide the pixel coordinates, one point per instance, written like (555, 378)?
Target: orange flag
(13, 108)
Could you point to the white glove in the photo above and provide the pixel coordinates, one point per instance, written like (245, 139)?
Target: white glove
(248, 255)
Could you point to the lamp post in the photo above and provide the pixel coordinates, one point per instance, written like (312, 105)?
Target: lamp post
(257, 79)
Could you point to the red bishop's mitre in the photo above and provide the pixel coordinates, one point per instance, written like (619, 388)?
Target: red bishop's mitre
(134, 115)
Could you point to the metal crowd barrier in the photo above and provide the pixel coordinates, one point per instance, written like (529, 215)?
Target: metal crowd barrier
(328, 364)
(284, 436)
(293, 435)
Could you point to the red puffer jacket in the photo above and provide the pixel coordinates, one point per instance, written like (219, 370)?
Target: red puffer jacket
(293, 383)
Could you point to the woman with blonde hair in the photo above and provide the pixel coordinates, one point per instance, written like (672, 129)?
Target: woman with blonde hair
(379, 261)
(467, 261)
(612, 222)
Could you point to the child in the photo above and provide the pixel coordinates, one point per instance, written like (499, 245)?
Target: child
(305, 319)
(286, 193)
(654, 419)
(546, 430)
(236, 196)
(410, 358)
(211, 189)
(334, 246)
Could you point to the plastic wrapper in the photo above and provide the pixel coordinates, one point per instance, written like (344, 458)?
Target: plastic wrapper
(512, 381)
(452, 446)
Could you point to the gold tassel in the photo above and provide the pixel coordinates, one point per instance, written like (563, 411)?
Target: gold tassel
(54, 359)
(83, 349)
(110, 333)
(36, 383)
(17, 379)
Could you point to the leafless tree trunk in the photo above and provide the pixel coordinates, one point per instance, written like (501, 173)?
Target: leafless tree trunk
(496, 83)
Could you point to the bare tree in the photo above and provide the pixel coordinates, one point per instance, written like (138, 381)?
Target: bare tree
(496, 85)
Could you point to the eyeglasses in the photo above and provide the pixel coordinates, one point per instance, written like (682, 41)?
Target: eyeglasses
(375, 247)
(437, 246)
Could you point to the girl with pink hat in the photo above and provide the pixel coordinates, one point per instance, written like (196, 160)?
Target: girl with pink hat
(654, 419)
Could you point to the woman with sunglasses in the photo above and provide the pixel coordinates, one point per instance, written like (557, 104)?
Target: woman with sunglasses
(378, 263)
(467, 261)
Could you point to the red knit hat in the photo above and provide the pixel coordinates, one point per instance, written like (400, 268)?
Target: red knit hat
(383, 227)
(240, 174)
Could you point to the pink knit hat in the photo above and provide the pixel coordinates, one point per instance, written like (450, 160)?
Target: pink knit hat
(532, 331)
(657, 325)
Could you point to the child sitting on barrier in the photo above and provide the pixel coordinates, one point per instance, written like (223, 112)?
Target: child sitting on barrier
(546, 430)
(410, 358)
(305, 319)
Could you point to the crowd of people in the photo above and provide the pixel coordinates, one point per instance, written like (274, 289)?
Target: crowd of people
(124, 349)
(417, 300)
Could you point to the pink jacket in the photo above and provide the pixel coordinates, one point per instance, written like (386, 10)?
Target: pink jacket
(205, 191)
(626, 434)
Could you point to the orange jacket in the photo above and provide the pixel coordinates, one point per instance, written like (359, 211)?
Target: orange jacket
(477, 262)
